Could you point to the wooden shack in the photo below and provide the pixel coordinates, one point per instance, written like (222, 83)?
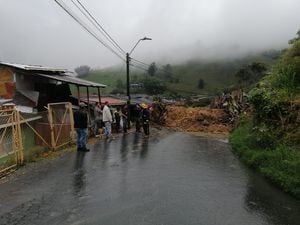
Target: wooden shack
(34, 88)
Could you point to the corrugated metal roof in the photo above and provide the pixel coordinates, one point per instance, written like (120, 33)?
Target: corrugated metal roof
(54, 74)
(34, 67)
(73, 80)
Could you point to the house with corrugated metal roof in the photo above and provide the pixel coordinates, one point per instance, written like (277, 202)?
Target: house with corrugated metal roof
(42, 96)
(31, 87)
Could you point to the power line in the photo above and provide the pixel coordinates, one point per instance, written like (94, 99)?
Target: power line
(93, 23)
(167, 72)
(100, 28)
(67, 10)
(147, 70)
(137, 63)
(140, 62)
(139, 67)
(64, 7)
(145, 64)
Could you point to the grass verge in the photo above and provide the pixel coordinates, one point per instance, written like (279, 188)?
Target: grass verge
(280, 164)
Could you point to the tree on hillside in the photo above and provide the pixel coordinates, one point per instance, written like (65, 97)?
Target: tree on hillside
(82, 70)
(167, 72)
(152, 69)
(272, 54)
(257, 67)
(289, 72)
(272, 99)
(295, 39)
(200, 83)
(250, 74)
(154, 86)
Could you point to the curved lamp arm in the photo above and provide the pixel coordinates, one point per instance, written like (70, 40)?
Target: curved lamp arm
(142, 39)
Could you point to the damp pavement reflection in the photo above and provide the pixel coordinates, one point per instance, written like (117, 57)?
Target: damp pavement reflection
(169, 178)
(79, 174)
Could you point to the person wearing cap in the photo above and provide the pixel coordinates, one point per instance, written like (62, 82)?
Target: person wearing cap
(107, 120)
(138, 117)
(80, 124)
(145, 119)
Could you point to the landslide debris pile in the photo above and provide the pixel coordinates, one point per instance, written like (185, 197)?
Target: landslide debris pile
(158, 113)
(198, 119)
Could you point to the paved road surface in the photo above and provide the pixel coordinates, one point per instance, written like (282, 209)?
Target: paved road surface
(168, 179)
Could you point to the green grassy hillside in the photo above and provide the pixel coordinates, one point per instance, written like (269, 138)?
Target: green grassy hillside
(217, 75)
(107, 77)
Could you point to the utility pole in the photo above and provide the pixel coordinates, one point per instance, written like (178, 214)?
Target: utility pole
(128, 90)
(127, 76)
(128, 82)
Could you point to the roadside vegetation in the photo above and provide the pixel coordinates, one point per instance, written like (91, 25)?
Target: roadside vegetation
(268, 136)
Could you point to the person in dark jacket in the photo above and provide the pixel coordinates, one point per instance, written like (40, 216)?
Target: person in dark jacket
(80, 124)
(117, 119)
(145, 119)
(138, 117)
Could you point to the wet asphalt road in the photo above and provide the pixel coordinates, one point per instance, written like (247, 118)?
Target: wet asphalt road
(168, 179)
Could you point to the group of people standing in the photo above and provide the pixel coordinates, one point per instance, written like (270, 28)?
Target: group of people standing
(105, 118)
(142, 118)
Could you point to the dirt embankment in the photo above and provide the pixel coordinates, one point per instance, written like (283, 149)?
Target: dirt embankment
(203, 120)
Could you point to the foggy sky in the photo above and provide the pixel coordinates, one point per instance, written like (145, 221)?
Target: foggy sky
(39, 32)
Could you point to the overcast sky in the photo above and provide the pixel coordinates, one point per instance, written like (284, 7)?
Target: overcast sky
(39, 32)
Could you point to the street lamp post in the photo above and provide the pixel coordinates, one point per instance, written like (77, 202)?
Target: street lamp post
(127, 76)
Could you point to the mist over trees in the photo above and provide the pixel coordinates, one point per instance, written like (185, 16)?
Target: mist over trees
(82, 70)
(167, 72)
(250, 74)
(152, 69)
(292, 41)
(189, 78)
(153, 86)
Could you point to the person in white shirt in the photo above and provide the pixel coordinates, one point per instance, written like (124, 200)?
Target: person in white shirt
(107, 120)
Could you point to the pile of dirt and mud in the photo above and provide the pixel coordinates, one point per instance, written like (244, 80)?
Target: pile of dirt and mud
(202, 120)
